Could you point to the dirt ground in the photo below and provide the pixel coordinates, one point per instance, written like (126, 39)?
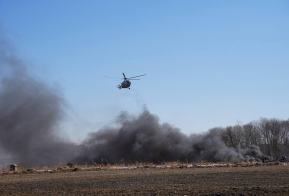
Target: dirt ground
(264, 180)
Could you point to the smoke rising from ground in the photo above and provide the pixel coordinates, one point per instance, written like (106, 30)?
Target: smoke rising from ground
(31, 111)
(144, 138)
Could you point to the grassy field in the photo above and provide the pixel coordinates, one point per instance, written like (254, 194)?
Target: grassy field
(225, 180)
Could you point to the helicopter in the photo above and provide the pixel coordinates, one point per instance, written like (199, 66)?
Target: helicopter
(126, 83)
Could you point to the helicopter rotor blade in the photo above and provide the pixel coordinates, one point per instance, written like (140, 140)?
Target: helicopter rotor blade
(132, 79)
(113, 77)
(123, 75)
(136, 76)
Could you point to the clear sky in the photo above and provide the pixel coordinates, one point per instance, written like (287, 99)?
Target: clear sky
(208, 63)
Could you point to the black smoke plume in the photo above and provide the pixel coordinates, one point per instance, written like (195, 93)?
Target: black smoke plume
(31, 111)
(144, 138)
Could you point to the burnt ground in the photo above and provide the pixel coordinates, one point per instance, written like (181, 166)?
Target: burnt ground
(264, 180)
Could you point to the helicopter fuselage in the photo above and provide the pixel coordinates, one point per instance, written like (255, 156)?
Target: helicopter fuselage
(124, 84)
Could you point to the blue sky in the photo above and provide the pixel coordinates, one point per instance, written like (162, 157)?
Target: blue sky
(208, 63)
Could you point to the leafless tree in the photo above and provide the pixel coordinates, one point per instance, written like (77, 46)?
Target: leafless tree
(271, 135)
(251, 135)
(232, 135)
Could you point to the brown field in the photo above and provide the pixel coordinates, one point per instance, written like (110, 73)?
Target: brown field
(262, 180)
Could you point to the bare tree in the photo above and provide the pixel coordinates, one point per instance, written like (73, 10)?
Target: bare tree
(271, 135)
(275, 137)
(232, 135)
(251, 135)
(285, 138)
(264, 128)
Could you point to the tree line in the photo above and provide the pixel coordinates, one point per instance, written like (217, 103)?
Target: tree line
(271, 135)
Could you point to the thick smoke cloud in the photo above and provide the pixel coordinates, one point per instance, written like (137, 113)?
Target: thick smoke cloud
(31, 111)
(137, 139)
(144, 138)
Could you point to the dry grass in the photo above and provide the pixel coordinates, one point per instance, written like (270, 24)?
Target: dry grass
(105, 165)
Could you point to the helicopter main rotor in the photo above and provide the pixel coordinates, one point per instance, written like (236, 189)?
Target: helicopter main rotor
(126, 83)
(125, 78)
